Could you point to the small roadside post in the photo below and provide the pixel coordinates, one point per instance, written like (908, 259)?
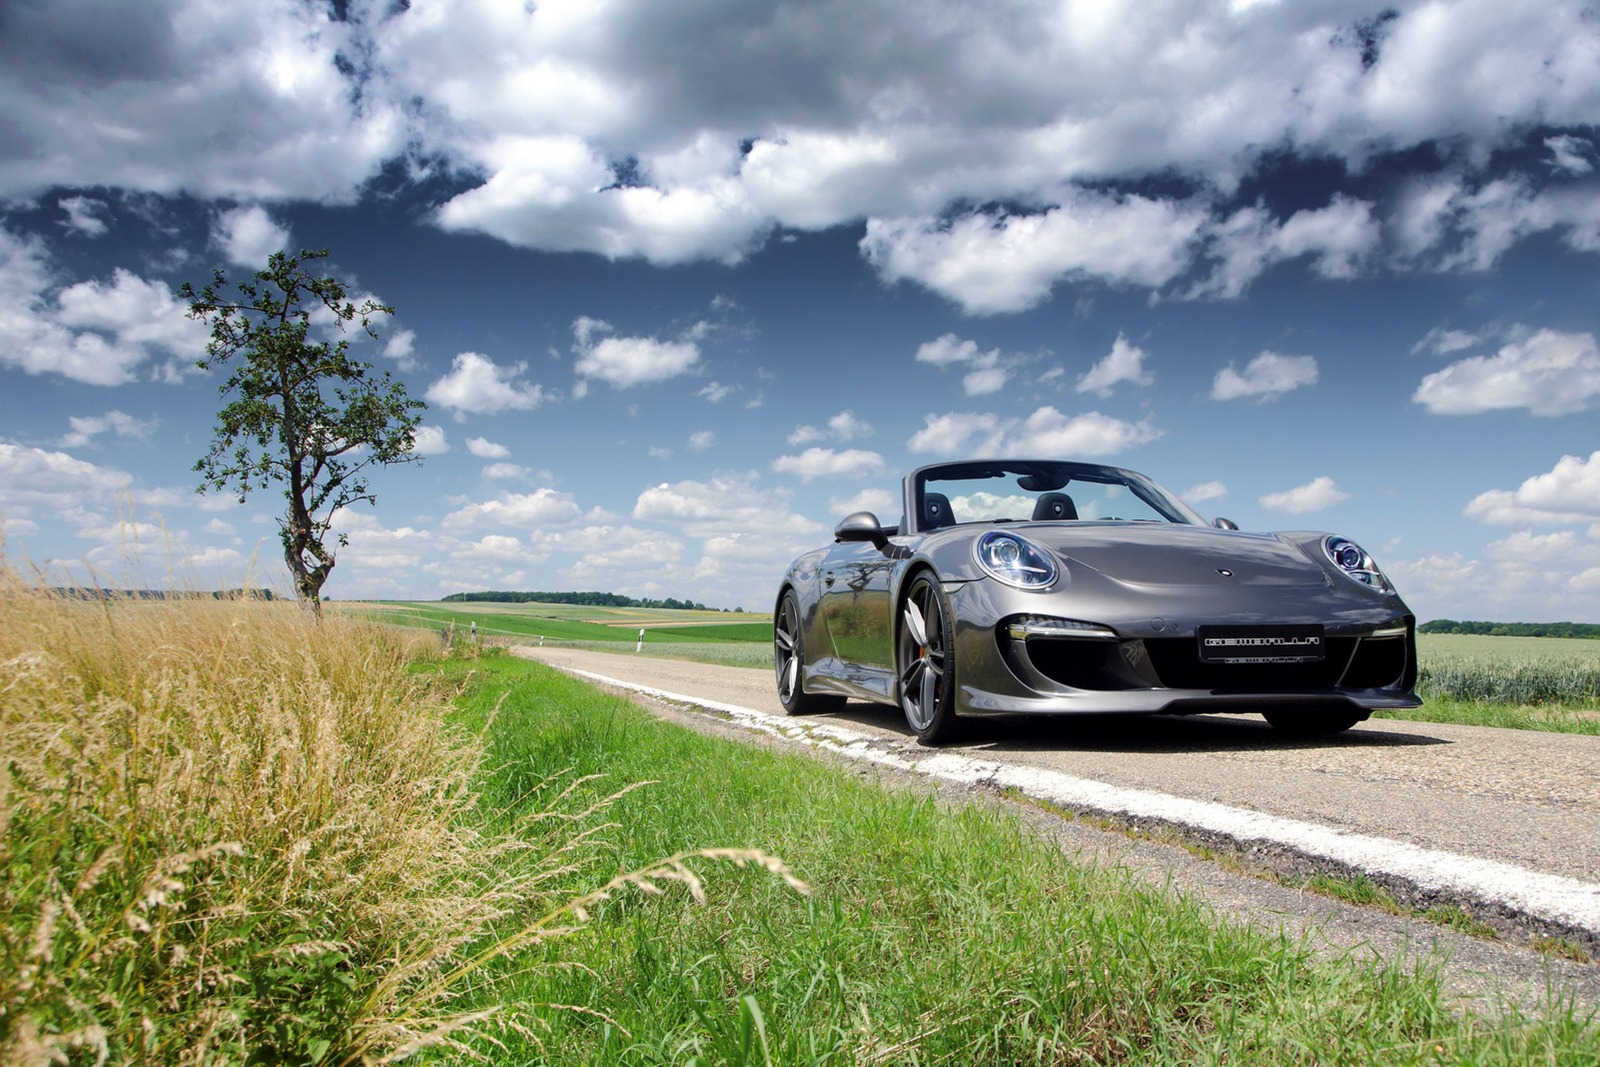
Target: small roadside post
(640, 646)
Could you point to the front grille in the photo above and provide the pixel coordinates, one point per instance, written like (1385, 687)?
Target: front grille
(1178, 666)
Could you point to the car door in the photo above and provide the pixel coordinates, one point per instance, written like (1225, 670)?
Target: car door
(855, 610)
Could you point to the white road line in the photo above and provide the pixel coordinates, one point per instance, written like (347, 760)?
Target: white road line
(1552, 898)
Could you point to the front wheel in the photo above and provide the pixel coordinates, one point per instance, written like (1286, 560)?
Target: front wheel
(925, 661)
(787, 659)
(1312, 722)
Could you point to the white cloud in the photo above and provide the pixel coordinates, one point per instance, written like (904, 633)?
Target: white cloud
(1316, 495)
(716, 392)
(401, 347)
(827, 463)
(1441, 341)
(1266, 377)
(84, 215)
(95, 332)
(1549, 374)
(86, 428)
(624, 362)
(1046, 432)
(247, 235)
(1205, 491)
(431, 441)
(988, 373)
(727, 503)
(1570, 154)
(483, 448)
(988, 264)
(880, 502)
(701, 440)
(1566, 494)
(1124, 363)
(845, 426)
(477, 384)
(505, 471)
(540, 508)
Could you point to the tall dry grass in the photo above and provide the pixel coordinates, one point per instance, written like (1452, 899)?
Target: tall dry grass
(226, 833)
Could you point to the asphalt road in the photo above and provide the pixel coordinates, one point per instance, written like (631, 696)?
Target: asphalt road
(1505, 822)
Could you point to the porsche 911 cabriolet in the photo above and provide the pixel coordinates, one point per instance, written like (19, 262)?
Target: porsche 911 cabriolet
(1044, 587)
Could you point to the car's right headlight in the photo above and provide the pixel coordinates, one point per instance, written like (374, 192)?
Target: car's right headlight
(1015, 560)
(1354, 562)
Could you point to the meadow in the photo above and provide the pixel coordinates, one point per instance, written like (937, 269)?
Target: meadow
(232, 837)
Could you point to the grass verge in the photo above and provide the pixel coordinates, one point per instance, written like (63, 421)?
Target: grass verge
(932, 935)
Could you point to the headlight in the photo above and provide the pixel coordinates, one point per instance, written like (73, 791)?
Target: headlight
(1015, 560)
(1353, 561)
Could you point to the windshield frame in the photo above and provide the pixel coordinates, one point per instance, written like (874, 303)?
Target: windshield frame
(1050, 471)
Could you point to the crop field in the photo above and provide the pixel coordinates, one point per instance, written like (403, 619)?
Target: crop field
(1510, 670)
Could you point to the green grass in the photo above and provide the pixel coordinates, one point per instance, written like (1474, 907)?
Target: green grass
(1517, 671)
(931, 935)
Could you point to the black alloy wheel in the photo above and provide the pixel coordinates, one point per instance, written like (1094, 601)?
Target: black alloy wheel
(787, 659)
(925, 661)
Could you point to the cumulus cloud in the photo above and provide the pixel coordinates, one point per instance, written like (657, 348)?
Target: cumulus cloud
(1266, 377)
(1549, 373)
(84, 215)
(1046, 432)
(845, 426)
(431, 441)
(1199, 494)
(993, 263)
(987, 372)
(542, 507)
(701, 440)
(727, 503)
(96, 332)
(1568, 493)
(1316, 495)
(401, 347)
(247, 235)
(476, 384)
(880, 502)
(1442, 341)
(1124, 363)
(484, 448)
(624, 362)
(86, 428)
(827, 463)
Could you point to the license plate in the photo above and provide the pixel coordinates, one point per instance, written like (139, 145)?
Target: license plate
(1260, 644)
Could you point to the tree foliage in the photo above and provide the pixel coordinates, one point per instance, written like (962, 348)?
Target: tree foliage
(300, 411)
(1511, 629)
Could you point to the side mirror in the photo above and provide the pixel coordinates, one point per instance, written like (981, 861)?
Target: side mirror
(1224, 524)
(861, 526)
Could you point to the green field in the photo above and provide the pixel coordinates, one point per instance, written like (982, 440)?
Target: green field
(1526, 682)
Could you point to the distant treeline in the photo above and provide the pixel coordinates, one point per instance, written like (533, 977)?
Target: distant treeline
(1511, 629)
(590, 599)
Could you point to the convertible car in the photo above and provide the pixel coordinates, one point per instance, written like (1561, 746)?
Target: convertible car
(1052, 588)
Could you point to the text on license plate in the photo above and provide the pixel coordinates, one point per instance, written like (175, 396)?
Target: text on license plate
(1260, 644)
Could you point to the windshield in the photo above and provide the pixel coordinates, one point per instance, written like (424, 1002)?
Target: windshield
(1043, 492)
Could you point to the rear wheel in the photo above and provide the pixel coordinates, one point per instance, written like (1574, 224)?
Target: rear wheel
(787, 660)
(925, 661)
(1313, 721)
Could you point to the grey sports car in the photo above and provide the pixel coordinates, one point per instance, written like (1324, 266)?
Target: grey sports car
(1056, 588)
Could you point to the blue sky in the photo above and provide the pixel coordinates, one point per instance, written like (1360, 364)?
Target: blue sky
(684, 283)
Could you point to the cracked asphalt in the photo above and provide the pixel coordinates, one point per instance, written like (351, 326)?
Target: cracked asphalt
(1519, 810)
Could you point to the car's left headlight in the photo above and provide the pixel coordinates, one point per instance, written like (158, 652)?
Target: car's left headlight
(1354, 562)
(1015, 560)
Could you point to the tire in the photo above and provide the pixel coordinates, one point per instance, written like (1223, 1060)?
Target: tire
(788, 657)
(1312, 721)
(925, 662)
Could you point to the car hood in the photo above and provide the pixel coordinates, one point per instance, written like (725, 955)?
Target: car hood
(1158, 554)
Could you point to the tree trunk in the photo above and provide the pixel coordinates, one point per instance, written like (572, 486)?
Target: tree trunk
(308, 581)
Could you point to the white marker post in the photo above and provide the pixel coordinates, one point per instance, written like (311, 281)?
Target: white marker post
(640, 646)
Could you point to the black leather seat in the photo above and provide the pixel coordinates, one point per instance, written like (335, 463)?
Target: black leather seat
(936, 511)
(1054, 506)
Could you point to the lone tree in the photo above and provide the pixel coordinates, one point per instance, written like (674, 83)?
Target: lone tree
(299, 411)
